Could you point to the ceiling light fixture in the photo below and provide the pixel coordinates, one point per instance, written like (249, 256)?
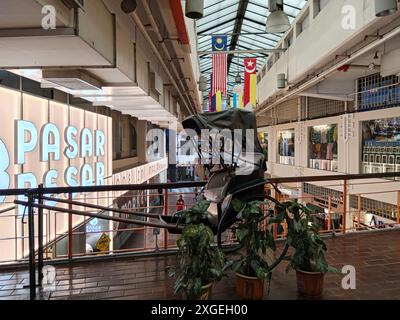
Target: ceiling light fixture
(278, 20)
(384, 8)
(194, 9)
(128, 6)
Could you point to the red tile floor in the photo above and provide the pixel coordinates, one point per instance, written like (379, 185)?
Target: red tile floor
(375, 255)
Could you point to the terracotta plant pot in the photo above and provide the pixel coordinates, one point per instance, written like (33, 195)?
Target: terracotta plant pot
(310, 284)
(205, 293)
(249, 288)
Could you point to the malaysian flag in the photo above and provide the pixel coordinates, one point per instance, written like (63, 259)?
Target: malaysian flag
(219, 64)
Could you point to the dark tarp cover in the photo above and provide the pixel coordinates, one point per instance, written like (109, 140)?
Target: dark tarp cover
(229, 119)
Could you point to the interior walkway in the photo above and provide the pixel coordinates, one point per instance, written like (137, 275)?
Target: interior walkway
(375, 255)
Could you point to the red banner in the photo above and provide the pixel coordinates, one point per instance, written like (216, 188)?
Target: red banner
(250, 67)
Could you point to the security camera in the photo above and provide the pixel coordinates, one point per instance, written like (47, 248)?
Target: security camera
(128, 6)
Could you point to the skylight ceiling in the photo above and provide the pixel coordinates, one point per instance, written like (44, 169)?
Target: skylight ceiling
(223, 17)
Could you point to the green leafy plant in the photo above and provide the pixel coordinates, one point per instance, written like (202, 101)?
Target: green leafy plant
(196, 214)
(303, 236)
(200, 262)
(253, 240)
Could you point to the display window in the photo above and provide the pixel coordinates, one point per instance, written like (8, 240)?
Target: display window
(263, 138)
(286, 147)
(323, 150)
(381, 145)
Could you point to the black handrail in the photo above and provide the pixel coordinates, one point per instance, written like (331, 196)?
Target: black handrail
(189, 184)
(38, 194)
(104, 188)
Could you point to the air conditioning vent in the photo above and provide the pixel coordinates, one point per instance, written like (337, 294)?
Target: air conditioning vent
(157, 83)
(74, 80)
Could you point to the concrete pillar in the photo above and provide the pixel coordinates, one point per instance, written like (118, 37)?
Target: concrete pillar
(125, 145)
(141, 131)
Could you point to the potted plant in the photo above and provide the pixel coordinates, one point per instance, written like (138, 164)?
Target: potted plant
(308, 258)
(201, 263)
(251, 269)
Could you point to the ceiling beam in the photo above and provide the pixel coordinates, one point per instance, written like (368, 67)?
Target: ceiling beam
(236, 52)
(237, 29)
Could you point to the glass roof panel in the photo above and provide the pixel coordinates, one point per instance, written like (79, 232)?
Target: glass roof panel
(221, 17)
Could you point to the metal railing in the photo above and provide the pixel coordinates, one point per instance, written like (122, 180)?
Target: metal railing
(341, 204)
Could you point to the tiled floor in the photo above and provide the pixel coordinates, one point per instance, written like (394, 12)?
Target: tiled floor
(376, 257)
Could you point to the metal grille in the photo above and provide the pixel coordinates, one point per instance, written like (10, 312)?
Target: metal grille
(377, 92)
(286, 111)
(319, 108)
(383, 209)
(265, 120)
(321, 192)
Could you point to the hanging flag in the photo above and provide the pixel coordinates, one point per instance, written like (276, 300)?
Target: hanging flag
(218, 101)
(250, 68)
(253, 90)
(219, 64)
(234, 101)
(209, 102)
(240, 104)
(213, 106)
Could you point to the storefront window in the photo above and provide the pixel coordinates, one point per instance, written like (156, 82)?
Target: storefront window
(323, 151)
(381, 145)
(263, 138)
(286, 152)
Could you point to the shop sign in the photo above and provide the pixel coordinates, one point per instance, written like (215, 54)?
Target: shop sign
(47, 139)
(50, 143)
(373, 220)
(103, 244)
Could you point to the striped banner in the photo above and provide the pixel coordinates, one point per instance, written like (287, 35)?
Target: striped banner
(250, 68)
(219, 64)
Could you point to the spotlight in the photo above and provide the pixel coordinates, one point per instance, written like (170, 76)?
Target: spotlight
(194, 9)
(128, 6)
(384, 8)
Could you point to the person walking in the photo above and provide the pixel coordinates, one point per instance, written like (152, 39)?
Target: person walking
(180, 204)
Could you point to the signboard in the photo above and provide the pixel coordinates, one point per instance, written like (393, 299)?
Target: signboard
(43, 141)
(103, 244)
(375, 221)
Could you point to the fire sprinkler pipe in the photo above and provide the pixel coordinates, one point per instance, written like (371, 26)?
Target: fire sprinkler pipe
(176, 8)
(178, 86)
(334, 69)
(142, 29)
